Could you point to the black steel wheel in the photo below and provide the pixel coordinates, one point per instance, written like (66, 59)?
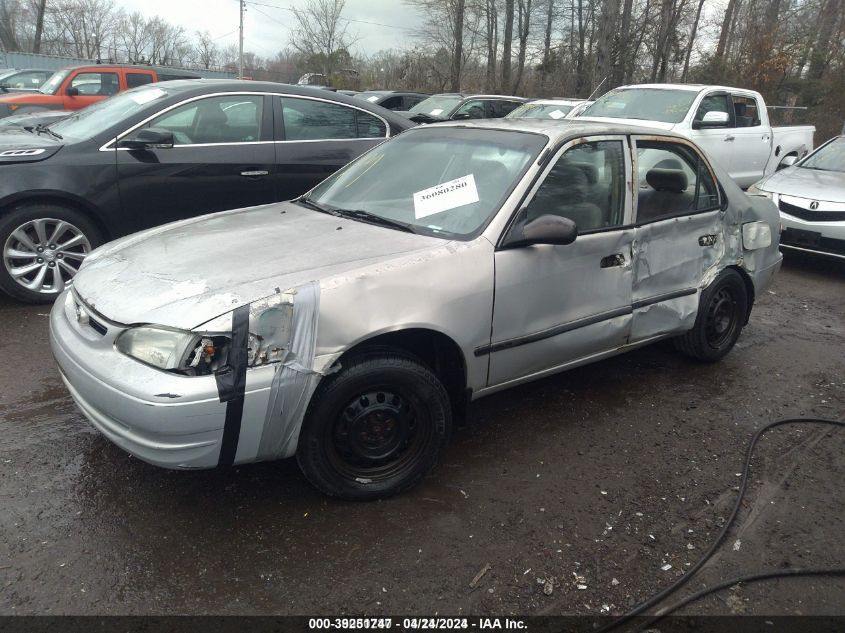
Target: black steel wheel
(375, 428)
(722, 312)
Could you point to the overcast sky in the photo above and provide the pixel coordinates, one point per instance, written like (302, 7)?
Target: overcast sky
(267, 24)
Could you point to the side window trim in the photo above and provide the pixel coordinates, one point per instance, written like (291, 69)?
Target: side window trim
(702, 161)
(281, 128)
(628, 201)
(109, 145)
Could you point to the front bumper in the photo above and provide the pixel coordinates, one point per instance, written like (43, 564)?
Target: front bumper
(164, 419)
(816, 235)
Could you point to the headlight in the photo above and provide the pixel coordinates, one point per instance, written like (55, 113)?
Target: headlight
(754, 190)
(178, 351)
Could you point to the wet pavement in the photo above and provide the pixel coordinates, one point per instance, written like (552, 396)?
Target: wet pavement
(599, 477)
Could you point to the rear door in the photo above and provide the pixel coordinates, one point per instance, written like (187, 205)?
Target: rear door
(222, 159)
(555, 305)
(752, 146)
(679, 235)
(315, 138)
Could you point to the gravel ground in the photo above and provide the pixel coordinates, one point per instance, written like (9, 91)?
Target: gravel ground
(589, 483)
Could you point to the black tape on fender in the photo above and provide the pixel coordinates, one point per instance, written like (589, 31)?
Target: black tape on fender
(231, 385)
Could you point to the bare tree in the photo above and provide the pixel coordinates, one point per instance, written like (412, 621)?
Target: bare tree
(321, 33)
(507, 43)
(206, 51)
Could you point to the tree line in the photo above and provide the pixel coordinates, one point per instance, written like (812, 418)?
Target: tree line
(793, 51)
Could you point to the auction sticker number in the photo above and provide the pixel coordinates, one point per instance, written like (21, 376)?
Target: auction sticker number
(445, 196)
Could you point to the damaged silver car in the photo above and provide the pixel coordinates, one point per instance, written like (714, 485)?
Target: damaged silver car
(350, 327)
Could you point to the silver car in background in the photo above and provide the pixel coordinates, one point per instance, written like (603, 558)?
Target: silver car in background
(351, 326)
(811, 199)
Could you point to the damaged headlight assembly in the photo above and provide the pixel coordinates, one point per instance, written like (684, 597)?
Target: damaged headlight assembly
(205, 350)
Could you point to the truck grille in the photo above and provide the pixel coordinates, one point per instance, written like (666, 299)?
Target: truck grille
(808, 215)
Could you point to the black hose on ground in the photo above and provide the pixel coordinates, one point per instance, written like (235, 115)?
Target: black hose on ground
(672, 588)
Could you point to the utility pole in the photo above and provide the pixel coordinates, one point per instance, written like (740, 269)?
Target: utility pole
(241, 42)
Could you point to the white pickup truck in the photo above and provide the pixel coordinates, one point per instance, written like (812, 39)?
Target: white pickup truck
(731, 124)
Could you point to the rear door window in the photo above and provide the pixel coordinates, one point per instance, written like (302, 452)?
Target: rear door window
(746, 112)
(312, 120)
(133, 80)
(672, 180)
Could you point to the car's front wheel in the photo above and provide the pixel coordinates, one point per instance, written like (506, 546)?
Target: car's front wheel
(721, 315)
(43, 247)
(375, 428)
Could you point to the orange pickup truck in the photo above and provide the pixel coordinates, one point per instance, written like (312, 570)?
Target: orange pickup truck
(78, 86)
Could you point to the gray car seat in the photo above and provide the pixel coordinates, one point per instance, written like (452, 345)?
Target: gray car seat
(565, 193)
(667, 194)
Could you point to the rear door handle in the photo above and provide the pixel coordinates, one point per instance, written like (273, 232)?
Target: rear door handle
(729, 138)
(255, 174)
(707, 240)
(617, 259)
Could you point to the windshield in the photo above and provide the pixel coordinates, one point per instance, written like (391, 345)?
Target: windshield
(830, 157)
(540, 111)
(51, 86)
(438, 105)
(649, 104)
(88, 122)
(440, 181)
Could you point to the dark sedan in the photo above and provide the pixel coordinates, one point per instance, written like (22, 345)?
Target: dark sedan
(392, 99)
(165, 152)
(455, 106)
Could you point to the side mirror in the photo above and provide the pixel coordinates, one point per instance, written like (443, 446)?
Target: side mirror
(547, 229)
(714, 118)
(460, 115)
(148, 138)
(788, 161)
(72, 91)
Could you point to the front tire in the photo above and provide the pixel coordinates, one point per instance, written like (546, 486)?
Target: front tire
(375, 428)
(721, 316)
(43, 247)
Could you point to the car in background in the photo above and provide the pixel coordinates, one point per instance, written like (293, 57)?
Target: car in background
(811, 199)
(79, 86)
(731, 124)
(29, 79)
(161, 153)
(454, 261)
(393, 99)
(33, 119)
(545, 109)
(456, 106)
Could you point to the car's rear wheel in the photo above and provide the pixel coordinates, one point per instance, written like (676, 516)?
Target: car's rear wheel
(721, 316)
(375, 428)
(43, 247)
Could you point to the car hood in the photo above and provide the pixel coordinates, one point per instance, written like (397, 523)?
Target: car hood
(802, 182)
(185, 273)
(13, 139)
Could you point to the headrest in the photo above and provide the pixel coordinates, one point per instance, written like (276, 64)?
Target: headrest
(674, 180)
(212, 115)
(590, 171)
(669, 163)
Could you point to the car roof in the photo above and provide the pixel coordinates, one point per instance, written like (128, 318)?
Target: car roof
(558, 130)
(473, 95)
(158, 69)
(568, 102)
(684, 87)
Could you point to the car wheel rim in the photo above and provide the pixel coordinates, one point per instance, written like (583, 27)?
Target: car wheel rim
(43, 255)
(376, 436)
(722, 318)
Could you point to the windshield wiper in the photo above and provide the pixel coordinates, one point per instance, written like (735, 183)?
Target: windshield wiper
(372, 218)
(43, 128)
(305, 201)
(421, 117)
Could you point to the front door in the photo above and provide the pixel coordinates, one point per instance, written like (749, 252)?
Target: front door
(90, 87)
(718, 141)
(679, 236)
(555, 305)
(222, 158)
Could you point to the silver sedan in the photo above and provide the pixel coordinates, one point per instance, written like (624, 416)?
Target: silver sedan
(811, 199)
(349, 327)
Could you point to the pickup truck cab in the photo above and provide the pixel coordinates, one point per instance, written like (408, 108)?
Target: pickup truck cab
(79, 86)
(730, 124)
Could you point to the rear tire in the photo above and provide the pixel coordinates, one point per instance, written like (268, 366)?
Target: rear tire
(375, 428)
(721, 316)
(43, 247)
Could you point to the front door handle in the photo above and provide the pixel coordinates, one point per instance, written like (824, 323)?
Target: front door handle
(617, 259)
(255, 174)
(729, 138)
(707, 240)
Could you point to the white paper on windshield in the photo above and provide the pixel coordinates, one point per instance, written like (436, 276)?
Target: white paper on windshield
(445, 196)
(373, 98)
(145, 96)
(436, 111)
(556, 114)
